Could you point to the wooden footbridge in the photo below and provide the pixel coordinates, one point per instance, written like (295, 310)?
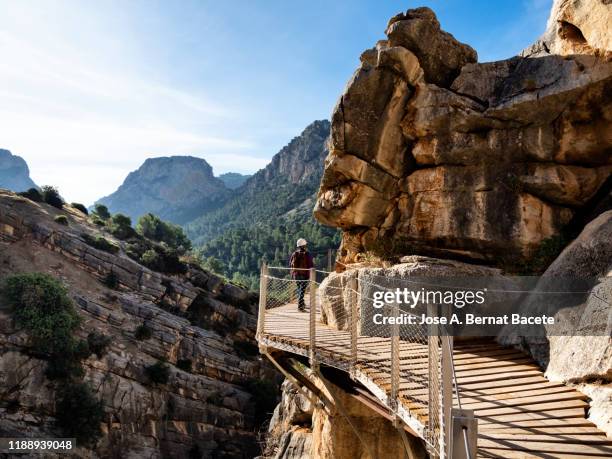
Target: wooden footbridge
(464, 400)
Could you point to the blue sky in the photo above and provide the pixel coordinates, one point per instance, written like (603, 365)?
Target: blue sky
(89, 89)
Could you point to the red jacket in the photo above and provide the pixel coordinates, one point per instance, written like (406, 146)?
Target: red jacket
(302, 272)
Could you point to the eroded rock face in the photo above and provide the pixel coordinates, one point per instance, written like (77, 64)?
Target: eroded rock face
(577, 349)
(208, 406)
(578, 27)
(447, 156)
(302, 431)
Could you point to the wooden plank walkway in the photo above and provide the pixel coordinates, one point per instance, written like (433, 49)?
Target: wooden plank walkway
(520, 413)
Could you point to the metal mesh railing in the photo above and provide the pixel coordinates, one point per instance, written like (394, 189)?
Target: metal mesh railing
(401, 364)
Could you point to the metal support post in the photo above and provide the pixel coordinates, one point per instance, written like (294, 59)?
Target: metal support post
(313, 318)
(352, 297)
(263, 299)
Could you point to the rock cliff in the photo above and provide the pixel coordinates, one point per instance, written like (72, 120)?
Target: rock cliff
(300, 429)
(433, 152)
(300, 161)
(175, 188)
(14, 172)
(199, 324)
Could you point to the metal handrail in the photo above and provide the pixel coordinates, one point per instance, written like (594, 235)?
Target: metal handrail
(438, 434)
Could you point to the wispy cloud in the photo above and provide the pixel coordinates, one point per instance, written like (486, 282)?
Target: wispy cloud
(83, 124)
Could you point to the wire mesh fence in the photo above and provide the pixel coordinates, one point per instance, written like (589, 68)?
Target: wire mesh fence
(332, 321)
(339, 320)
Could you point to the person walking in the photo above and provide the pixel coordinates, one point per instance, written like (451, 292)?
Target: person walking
(300, 263)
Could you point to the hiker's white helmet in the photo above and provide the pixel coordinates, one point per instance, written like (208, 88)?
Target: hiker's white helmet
(301, 242)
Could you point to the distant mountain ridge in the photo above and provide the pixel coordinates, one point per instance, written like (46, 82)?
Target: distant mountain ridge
(292, 176)
(14, 172)
(237, 223)
(176, 188)
(234, 180)
(270, 211)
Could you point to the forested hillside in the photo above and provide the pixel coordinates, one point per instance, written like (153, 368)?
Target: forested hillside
(269, 212)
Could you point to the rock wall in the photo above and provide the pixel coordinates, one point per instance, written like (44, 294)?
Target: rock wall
(302, 430)
(577, 349)
(432, 152)
(207, 411)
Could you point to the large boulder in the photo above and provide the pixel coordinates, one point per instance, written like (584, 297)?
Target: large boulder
(446, 156)
(441, 56)
(577, 349)
(588, 355)
(578, 27)
(360, 282)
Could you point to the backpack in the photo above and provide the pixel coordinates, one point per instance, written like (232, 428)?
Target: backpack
(299, 263)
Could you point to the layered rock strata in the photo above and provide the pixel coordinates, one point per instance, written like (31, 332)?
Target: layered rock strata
(207, 409)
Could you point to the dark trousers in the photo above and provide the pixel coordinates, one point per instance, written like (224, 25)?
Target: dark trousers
(301, 291)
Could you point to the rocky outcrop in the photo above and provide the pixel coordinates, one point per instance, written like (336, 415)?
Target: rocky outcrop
(577, 27)
(290, 429)
(436, 154)
(14, 172)
(175, 188)
(577, 349)
(301, 430)
(431, 152)
(207, 407)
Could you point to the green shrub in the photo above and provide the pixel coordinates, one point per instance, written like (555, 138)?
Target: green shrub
(121, 227)
(67, 365)
(547, 251)
(158, 373)
(102, 211)
(41, 305)
(61, 219)
(154, 228)
(100, 243)
(80, 207)
(79, 414)
(540, 259)
(213, 264)
(111, 280)
(245, 349)
(151, 259)
(98, 343)
(32, 194)
(98, 221)
(184, 364)
(52, 197)
(143, 333)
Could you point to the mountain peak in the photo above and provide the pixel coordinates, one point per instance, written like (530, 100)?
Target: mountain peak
(14, 172)
(300, 161)
(176, 188)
